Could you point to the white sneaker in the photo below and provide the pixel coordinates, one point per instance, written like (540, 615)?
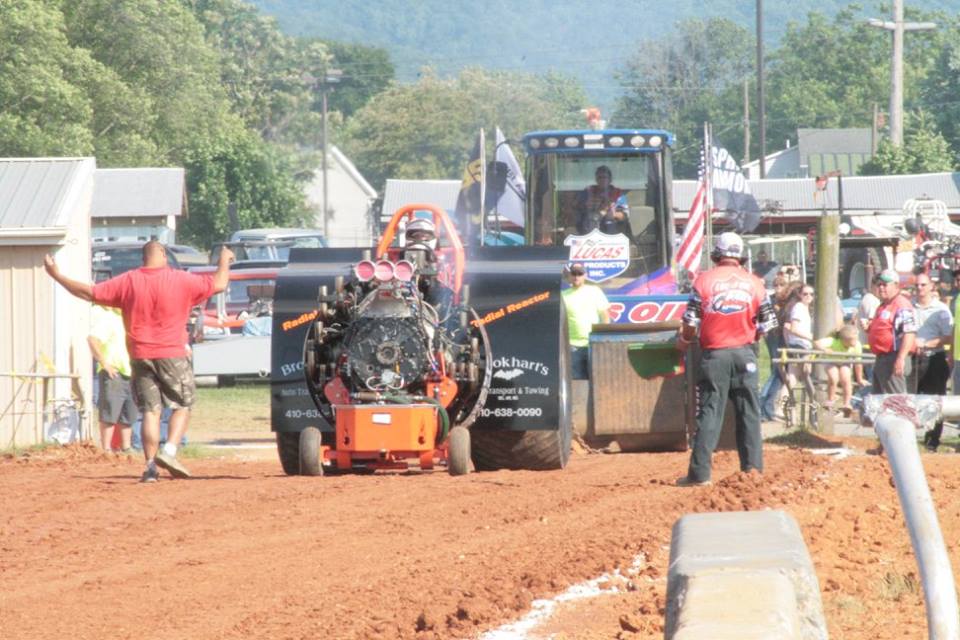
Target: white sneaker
(171, 464)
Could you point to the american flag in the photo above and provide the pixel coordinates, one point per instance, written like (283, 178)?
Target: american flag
(691, 243)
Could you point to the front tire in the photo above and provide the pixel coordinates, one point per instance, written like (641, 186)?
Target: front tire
(537, 450)
(309, 452)
(458, 451)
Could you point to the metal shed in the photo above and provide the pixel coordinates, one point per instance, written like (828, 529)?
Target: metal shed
(138, 204)
(45, 363)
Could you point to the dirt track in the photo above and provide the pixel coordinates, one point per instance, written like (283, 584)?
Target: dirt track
(245, 552)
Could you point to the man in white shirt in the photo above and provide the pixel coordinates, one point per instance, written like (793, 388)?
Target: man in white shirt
(935, 330)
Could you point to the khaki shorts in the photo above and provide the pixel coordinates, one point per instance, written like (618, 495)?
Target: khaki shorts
(163, 382)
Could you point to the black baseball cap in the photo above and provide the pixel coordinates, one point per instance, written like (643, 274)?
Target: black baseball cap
(577, 269)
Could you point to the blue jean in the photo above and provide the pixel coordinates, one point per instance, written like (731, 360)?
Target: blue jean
(137, 440)
(771, 389)
(580, 363)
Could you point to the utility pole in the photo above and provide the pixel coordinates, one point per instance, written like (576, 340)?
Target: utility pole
(761, 103)
(897, 28)
(746, 122)
(826, 280)
(332, 76)
(761, 106)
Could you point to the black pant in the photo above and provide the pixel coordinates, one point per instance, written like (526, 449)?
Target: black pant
(727, 373)
(932, 372)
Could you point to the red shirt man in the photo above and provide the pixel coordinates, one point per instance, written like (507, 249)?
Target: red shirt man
(155, 302)
(728, 306)
(892, 336)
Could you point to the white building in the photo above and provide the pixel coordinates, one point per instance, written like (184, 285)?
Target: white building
(818, 151)
(350, 198)
(137, 205)
(45, 362)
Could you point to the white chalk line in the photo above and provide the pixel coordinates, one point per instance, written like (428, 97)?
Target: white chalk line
(541, 610)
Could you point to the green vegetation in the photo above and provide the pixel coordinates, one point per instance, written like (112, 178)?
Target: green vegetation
(588, 41)
(240, 408)
(16, 452)
(217, 87)
(896, 586)
(424, 130)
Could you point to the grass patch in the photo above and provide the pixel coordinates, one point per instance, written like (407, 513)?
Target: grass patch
(895, 586)
(16, 452)
(847, 609)
(197, 451)
(802, 439)
(239, 408)
(763, 361)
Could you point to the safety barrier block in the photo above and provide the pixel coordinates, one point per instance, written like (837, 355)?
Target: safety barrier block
(744, 575)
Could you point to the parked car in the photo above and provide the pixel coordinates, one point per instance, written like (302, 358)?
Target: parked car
(231, 332)
(268, 247)
(189, 256)
(113, 258)
(249, 294)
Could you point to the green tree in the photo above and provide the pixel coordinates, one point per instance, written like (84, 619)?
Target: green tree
(45, 108)
(367, 71)
(426, 129)
(924, 150)
(685, 78)
(268, 76)
(242, 170)
(940, 92)
(158, 50)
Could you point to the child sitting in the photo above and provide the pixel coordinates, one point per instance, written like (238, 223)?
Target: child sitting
(845, 341)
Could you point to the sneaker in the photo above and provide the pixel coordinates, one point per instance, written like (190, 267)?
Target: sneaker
(150, 475)
(171, 464)
(687, 481)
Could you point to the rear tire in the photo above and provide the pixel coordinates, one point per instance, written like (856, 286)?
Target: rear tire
(458, 451)
(309, 452)
(288, 448)
(538, 450)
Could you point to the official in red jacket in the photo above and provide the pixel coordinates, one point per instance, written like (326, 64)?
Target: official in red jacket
(892, 336)
(729, 308)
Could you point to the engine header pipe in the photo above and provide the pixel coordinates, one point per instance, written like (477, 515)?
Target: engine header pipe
(899, 438)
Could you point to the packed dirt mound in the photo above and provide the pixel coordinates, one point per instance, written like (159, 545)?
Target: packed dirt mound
(243, 551)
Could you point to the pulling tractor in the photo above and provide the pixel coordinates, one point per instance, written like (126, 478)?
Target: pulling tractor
(385, 360)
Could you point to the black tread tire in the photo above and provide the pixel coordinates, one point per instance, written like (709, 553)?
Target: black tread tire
(288, 448)
(539, 450)
(309, 452)
(458, 451)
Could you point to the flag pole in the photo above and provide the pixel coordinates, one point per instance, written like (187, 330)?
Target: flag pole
(707, 176)
(483, 185)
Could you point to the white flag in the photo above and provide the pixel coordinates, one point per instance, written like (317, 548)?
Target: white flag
(510, 202)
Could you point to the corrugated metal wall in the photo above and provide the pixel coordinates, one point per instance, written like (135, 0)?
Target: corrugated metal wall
(26, 336)
(43, 329)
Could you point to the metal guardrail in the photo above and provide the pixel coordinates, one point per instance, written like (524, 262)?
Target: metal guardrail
(789, 355)
(804, 410)
(896, 422)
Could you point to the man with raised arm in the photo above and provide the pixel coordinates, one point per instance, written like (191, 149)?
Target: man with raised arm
(155, 301)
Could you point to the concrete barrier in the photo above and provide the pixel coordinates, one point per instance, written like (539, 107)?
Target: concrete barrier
(744, 575)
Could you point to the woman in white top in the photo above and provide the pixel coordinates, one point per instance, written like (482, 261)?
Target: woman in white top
(798, 328)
